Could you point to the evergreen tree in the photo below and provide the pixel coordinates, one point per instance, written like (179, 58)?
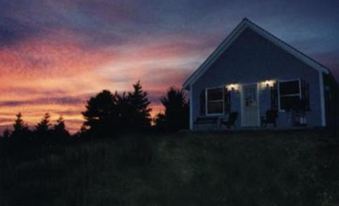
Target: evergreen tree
(140, 111)
(101, 115)
(160, 122)
(176, 110)
(60, 125)
(20, 129)
(124, 111)
(60, 132)
(19, 123)
(107, 114)
(44, 125)
(6, 134)
(42, 132)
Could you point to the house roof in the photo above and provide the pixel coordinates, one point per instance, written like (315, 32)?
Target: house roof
(244, 24)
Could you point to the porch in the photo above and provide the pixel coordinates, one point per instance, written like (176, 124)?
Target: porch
(264, 104)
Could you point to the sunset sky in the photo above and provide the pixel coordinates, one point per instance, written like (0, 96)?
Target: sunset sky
(55, 54)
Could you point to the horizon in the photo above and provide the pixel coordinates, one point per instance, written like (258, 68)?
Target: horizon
(55, 55)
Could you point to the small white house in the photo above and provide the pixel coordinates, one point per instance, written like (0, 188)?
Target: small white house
(253, 79)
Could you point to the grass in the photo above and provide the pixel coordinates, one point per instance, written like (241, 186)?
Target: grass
(243, 168)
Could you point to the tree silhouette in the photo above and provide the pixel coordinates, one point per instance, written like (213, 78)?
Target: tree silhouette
(108, 114)
(44, 125)
(6, 134)
(124, 111)
(60, 133)
(20, 129)
(160, 122)
(18, 123)
(42, 132)
(60, 126)
(140, 111)
(176, 110)
(100, 115)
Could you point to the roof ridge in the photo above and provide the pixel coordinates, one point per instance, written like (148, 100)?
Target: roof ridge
(235, 33)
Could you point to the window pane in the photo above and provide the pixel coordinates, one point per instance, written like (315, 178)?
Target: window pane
(289, 102)
(214, 107)
(290, 87)
(214, 94)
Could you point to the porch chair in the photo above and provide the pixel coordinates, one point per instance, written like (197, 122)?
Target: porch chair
(212, 121)
(270, 118)
(206, 120)
(232, 117)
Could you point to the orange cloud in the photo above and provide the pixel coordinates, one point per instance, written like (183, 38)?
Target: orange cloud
(58, 73)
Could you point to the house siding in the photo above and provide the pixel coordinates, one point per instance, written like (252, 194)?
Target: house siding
(251, 59)
(331, 97)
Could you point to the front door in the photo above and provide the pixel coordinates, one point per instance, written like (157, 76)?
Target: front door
(249, 106)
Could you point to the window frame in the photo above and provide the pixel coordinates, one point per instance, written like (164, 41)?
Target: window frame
(223, 101)
(289, 95)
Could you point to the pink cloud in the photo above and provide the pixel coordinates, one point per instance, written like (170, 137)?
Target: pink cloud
(58, 73)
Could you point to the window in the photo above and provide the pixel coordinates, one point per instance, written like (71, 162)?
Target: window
(215, 101)
(289, 94)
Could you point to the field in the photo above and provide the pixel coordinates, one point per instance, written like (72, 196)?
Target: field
(241, 168)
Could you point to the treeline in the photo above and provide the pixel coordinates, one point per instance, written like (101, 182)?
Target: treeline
(44, 131)
(107, 115)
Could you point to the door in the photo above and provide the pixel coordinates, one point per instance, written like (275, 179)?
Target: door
(249, 106)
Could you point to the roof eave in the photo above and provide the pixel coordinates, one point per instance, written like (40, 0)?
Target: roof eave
(234, 34)
(215, 54)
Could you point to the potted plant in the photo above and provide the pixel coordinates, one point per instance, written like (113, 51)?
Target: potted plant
(299, 112)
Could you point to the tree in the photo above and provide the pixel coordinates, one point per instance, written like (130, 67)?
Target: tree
(140, 112)
(60, 132)
(124, 111)
(20, 129)
(19, 123)
(60, 126)
(6, 134)
(160, 122)
(176, 110)
(44, 125)
(107, 114)
(101, 115)
(42, 132)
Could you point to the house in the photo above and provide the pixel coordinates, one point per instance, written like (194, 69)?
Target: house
(253, 79)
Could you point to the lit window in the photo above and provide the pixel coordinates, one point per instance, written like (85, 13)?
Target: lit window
(215, 101)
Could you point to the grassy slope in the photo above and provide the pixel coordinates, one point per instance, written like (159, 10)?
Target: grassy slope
(261, 168)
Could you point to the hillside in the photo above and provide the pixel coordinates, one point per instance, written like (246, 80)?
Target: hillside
(243, 168)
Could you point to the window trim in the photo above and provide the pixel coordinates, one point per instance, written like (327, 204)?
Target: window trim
(289, 95)
(223, 101)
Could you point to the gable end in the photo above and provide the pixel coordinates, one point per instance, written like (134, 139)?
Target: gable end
(234, 35)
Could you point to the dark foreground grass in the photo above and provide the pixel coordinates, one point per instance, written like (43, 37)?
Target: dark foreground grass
(248, 168)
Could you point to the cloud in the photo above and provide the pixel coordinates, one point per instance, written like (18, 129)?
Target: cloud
(330, 60)
(58, 76)
(42, 101)
(55, 54)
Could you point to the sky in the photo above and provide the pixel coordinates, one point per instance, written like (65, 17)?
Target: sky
(54, 55)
